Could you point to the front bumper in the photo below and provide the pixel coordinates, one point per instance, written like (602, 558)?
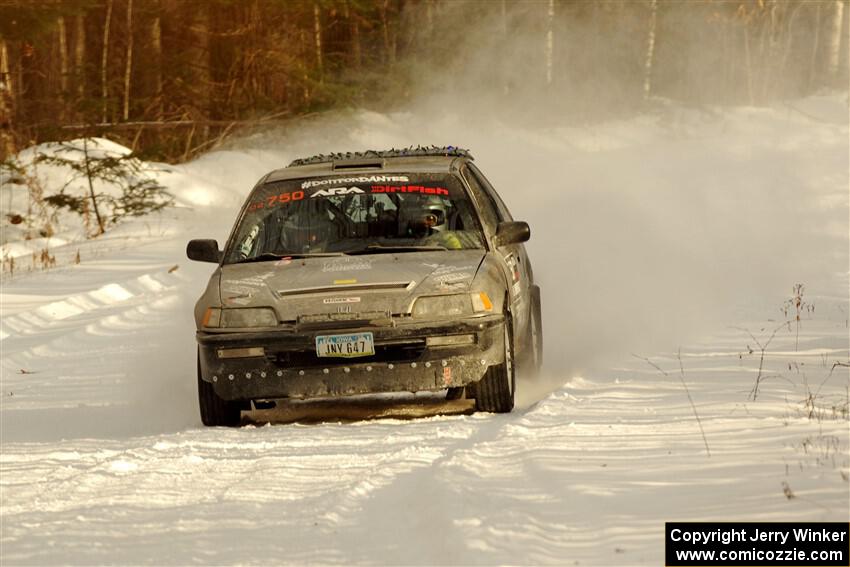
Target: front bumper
(402, 362)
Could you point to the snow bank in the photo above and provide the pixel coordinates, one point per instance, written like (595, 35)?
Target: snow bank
(45, 228)
(97, 148)
(47, 235)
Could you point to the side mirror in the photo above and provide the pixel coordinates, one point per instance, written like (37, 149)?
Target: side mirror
(512, 233)
(204, 251)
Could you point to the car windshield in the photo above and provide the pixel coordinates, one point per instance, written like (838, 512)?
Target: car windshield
(364, 214)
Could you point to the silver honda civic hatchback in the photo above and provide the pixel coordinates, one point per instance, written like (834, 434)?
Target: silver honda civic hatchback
(373, 272)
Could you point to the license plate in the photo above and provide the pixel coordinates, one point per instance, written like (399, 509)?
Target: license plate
(345, 346)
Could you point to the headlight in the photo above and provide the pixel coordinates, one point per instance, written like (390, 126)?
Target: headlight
(481, 302)
(212, 317)
(452, 305)
(240, 318)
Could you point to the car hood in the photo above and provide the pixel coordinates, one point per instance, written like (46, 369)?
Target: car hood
(364, 283)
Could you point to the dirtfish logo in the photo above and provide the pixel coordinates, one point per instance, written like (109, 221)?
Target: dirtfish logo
(333, 191)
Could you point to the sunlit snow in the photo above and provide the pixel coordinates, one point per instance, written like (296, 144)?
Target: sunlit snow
(676, 237)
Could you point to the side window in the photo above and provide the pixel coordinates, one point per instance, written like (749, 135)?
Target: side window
(501, 209)
(487, 209)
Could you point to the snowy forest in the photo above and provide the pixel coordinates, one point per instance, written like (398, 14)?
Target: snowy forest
(171, 78)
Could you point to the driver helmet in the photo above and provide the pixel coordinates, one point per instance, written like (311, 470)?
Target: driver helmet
(434, 214)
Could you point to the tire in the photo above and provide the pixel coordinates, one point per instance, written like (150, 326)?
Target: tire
(214, 410)
(455, 393)
(495, 392)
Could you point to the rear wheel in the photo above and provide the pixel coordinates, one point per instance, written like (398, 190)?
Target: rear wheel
(214, 410)
(495, 391)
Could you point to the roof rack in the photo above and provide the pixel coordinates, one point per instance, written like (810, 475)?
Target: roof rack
(379, 154)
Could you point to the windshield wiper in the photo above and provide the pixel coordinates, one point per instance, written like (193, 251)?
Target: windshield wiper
(268, 256)
(379, 249)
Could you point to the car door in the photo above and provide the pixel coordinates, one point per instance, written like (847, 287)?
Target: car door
(514, 258)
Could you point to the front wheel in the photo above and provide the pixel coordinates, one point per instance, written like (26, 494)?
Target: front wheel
(495, 391)
(455, 393)
(215, 410)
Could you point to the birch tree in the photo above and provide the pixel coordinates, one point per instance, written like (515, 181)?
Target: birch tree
(317, 38)
(650, 50)
(550, 41)
(80, 56)
(198, 57)
(506, 87)
(815, 45)
(63, 64)
(104, 64)
(156, 54)
(7, 99)
(387, 33)
(352, 17)
(128, 67)
(834, 45)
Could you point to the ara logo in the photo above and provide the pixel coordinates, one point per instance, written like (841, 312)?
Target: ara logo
(332, 191)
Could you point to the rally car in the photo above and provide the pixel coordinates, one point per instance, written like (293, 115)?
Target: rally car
(379, 271)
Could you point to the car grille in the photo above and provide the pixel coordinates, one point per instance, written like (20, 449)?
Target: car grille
(337, 288)
(320, 321)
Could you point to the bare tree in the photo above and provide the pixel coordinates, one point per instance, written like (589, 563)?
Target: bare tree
(769, 46)
(780, 72)
(550, 40)
(844, 59)
(80, 56)
(505, 72)
(128, 68)
(156, 49)
(63, 64)
(104, 85)
(748, 57)
(317, 38)
(834, 46)
(198, 53)
(650, 50)
(389, 44)
(815, 45)
(7, 101)
(354, 29)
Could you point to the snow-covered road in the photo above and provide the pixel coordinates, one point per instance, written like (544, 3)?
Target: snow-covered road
(104, 459)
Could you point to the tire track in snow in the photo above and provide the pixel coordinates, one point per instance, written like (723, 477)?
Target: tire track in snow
(109, 361)
(540, 487)
(215, 480)
(74, 339)
(409, 509)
